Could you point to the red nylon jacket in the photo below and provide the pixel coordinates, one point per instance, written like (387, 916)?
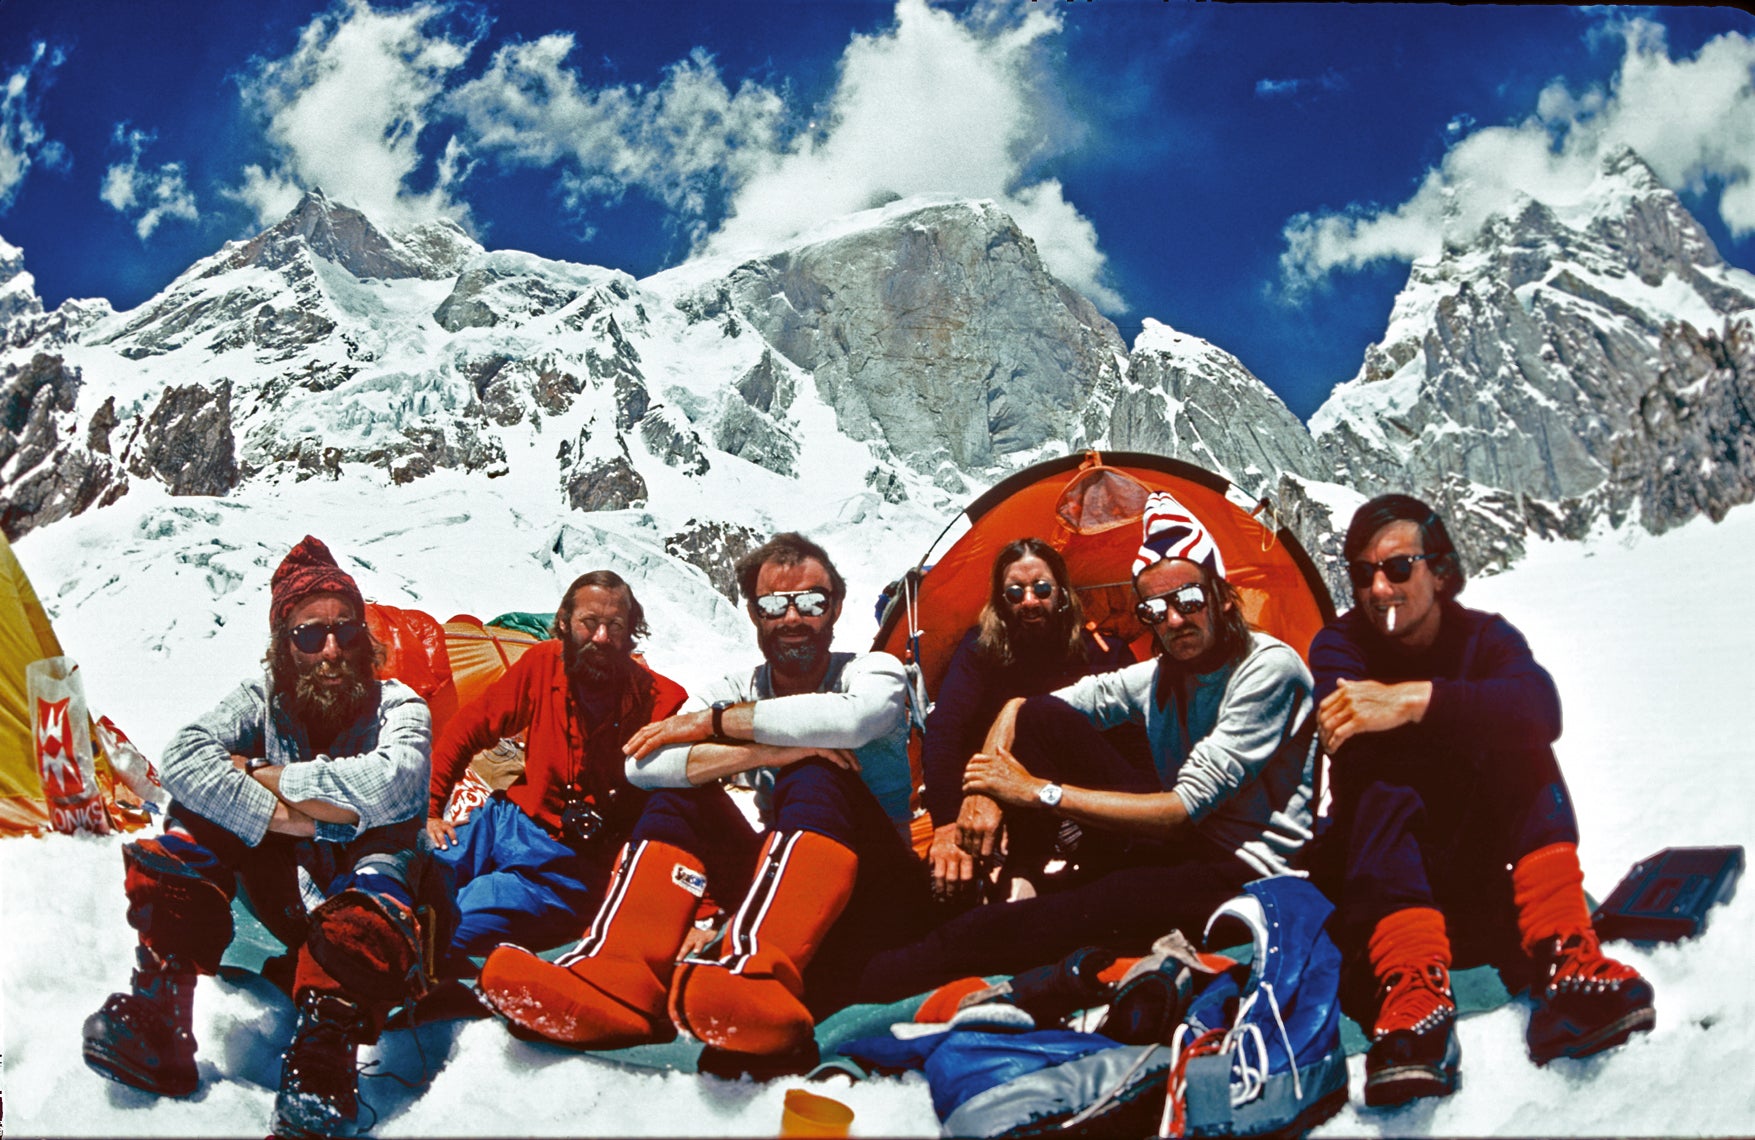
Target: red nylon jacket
(534, 697)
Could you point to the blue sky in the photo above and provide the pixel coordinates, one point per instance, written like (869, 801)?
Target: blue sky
(1259, 175)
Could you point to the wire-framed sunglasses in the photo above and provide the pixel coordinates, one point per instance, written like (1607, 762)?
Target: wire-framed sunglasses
(808, 603)
(1397, 569)
(1186, 600)
(1041, 588)
(312, 636)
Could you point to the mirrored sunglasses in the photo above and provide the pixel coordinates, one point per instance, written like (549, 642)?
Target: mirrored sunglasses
(312, 636)
(1042, 588)
(808, 603)
(1398, 569)
(1186, 600)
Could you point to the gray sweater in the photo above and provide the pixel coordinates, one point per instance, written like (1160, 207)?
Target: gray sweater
(1239, 750)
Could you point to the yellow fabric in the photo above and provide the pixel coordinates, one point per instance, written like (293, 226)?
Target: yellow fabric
(25, 636)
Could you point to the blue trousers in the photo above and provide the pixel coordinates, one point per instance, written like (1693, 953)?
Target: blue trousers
(1440, 829)
(513, 882)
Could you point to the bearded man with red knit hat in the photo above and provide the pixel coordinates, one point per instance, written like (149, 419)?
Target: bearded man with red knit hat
(317, 771)
(1453, 839)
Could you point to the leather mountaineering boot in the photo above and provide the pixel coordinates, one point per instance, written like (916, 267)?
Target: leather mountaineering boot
(1414, 1051)
(1585, 1002)
(750, 1002)
(145, 1038)
(319, 1072)
(609, 991)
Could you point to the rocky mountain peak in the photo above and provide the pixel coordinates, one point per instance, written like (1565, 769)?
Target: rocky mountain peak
(344, 235)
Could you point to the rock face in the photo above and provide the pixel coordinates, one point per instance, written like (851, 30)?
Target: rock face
(1560, 368)
(939, 332)
(1191, 400)
(1567, 365)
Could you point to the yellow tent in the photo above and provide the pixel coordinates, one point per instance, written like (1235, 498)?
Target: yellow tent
(25, 636)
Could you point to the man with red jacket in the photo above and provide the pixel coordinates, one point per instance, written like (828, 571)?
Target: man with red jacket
(531, 863)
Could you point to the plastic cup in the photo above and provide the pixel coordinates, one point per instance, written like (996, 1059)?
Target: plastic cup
(807, 1114)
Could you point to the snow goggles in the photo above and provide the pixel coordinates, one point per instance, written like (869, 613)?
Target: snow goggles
(312, 636)
(1397, 569)
(1042, 588)
(808, 603)
(1186, 600)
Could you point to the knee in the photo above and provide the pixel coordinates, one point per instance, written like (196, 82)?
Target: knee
(178, 912)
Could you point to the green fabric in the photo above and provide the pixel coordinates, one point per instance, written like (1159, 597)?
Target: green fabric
(526, 621)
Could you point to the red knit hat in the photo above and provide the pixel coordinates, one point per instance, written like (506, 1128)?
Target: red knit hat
(309, 569)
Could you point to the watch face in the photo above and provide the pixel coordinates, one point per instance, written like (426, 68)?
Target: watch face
(1049, 795)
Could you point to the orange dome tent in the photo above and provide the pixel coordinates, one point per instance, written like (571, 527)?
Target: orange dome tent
(1088, 508)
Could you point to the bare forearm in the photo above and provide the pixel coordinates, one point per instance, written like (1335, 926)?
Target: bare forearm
(1154, 815)
(709, 762)
(322, 810)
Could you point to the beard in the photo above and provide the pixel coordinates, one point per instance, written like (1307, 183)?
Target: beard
(593, 665)
(795, 658)
(326, 709)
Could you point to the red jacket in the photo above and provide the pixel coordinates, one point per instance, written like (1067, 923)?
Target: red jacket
(535, 697)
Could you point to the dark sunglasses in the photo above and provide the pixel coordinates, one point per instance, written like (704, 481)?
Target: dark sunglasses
(1186, 600)
(312, 636)
(808, 603)
(1398, 569)
(1042, 588)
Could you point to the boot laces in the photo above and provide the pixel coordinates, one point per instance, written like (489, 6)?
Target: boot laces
(1414, 998)
(1577, 963)
(324, 1049)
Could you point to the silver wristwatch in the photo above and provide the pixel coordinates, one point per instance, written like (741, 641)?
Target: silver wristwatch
(1049, 795)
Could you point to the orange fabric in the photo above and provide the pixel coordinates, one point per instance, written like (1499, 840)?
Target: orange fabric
(943, 1002)
(1084, 515)
(1410, 957)
(609, 991)
(533, 696)
(415, 654)
(750, 1000)
(1118, 970)
(1548, 888)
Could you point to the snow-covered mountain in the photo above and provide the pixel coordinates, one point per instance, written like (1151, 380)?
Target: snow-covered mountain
(1585, 361)
(1574, 363)
(917, 353)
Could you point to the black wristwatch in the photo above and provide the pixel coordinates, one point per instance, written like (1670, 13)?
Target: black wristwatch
(719, 708)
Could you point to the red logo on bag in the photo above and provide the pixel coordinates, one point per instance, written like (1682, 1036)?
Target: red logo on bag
(62, 778)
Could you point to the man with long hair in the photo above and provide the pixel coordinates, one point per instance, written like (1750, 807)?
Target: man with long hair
(1453, 836)
(316, 773)
(1029, 639)
(1231, 724)
(530, 864)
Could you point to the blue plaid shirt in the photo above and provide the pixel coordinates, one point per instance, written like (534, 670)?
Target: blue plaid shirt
(379, 768)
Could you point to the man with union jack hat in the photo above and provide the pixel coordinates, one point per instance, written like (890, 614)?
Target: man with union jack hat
(1231, 725)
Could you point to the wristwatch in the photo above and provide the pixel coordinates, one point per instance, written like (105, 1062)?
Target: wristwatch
(719, 708)
(1049, 795)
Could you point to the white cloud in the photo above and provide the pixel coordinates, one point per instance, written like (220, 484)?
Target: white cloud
(148, 196)
(346, 109)
(23, 142)
(1692, 120)
(682, 141)
(1283, 88)
(934, 106)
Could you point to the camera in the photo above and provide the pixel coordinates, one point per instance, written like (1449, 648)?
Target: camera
(581, 823)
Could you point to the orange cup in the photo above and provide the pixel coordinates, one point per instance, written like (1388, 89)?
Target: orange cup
(807, 1114)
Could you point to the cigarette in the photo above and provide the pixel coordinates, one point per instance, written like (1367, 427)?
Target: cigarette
(1389, 622)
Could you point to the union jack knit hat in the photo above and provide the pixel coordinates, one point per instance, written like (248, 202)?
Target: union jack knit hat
(1170, 530)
